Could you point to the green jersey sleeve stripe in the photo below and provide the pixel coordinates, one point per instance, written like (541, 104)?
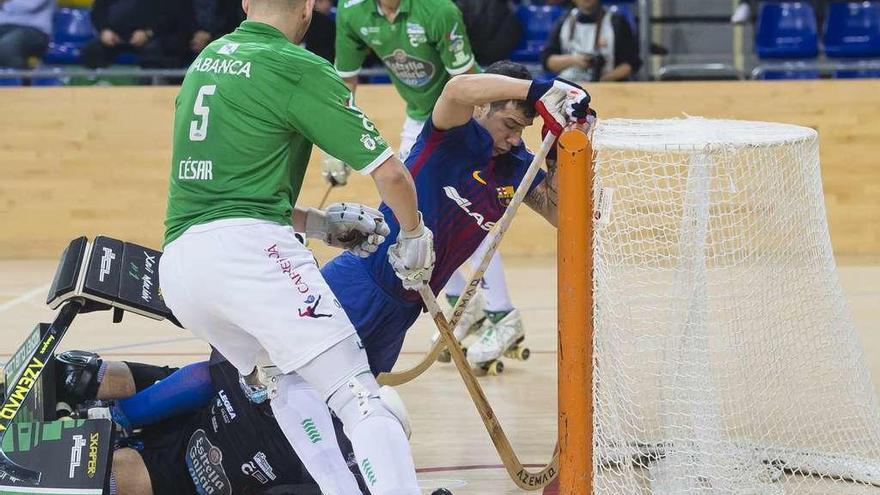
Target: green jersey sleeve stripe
(348, 73)
(378, 161)
(464, 68)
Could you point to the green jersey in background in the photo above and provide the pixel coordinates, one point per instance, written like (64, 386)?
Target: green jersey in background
(248, 111)
(424, 46)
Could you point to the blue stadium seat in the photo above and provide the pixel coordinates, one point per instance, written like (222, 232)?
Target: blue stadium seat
(72, 26)
(537, 21)
(16, 81)
(627, 10)
(380, 79)
(856, 74)
(63, 53)
(786, 30)
(786, 74)
(852, 29)
(126, 58)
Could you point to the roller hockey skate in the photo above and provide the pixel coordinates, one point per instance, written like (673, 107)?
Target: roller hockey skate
(496, 339)
(469, 323)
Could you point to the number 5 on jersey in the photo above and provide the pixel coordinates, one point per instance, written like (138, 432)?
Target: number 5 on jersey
(198, 128)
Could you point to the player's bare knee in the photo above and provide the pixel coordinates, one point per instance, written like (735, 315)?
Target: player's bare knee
(130, 473)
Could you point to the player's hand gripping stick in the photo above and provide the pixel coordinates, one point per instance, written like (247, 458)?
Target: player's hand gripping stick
(355, 227)
(412, 256)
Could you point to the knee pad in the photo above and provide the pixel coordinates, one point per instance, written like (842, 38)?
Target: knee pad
(360, 398)
(394, 403)
(77, 373)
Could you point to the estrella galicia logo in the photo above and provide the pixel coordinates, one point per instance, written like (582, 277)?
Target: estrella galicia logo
(411, 70)
(205, 464)
(311, 309)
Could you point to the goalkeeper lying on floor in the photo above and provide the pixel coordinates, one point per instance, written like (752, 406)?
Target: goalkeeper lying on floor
(196, 432)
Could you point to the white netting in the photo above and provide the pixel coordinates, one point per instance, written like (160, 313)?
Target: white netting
(726, 360)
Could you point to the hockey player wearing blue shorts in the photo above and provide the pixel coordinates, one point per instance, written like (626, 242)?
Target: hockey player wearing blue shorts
(466, 163)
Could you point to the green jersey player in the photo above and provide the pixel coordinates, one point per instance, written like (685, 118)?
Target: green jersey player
(423, 44)
(250, 108)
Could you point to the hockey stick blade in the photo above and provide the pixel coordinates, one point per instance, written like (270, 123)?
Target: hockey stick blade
(523, 478)
(11, 472)
(395, 378)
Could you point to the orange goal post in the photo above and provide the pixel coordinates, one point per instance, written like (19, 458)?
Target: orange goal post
(705, 346)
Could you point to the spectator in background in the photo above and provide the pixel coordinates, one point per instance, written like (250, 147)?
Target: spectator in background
(25, 28)
(122, 26)
(320, 39)
(590, 44)
(493, 28)
(183, 28)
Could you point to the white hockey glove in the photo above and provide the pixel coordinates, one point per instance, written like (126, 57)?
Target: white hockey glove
(412, 256)
(355, 227)
(334, 171)
(559, 101)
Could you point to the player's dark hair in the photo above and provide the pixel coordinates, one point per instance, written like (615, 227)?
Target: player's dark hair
(517, 71)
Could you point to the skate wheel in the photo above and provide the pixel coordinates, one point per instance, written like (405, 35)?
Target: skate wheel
(441, 491)
(444, 356)
(63, 410)
(524, 354)
(495, 368)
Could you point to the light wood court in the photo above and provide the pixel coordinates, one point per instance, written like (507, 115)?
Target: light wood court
(451, 446)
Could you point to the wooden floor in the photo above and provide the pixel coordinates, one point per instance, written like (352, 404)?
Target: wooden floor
(450, 445)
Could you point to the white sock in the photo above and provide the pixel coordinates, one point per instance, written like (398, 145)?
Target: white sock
(306, 422)
(495, 286)
(380, 445)
(455, 286)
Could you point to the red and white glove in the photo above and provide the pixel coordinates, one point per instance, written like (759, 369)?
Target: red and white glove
(569, 103)
(559, 102)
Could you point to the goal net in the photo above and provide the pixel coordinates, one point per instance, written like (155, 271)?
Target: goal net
(725, 359)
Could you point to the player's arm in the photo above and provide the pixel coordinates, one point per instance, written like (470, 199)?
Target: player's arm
(447, 29)
(323, 110)
(544, 197)
(395, 185)
(351, 83)
(462, 93)
(350, 52)
(300, 214)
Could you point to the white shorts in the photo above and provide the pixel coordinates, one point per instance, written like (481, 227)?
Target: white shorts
(249, 287)
(408, 136)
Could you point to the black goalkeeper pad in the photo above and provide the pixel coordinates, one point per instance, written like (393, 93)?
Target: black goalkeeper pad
(109, 273)
(72, 456)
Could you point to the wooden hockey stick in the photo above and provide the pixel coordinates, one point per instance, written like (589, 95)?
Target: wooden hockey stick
(497, 233)
(523, 478)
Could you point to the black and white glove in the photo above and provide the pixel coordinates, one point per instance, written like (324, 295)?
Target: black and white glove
(355, 227)
(559, 102)
(334, 171)
(412, 256)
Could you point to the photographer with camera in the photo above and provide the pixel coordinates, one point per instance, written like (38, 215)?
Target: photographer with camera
(591, 44)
